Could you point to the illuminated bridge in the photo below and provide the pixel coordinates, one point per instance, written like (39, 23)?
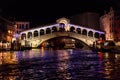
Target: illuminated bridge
(35, 37)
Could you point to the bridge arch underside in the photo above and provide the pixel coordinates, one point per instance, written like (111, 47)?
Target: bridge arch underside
(63, 42)
(67, 37)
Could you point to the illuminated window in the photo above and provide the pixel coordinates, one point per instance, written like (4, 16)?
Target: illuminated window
(9, 31)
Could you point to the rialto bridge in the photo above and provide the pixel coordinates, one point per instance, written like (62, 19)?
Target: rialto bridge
(36, 36)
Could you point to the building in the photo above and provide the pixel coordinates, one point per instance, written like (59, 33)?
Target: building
(87, 19)
(6, 30)
(10, 31)
(110, 23)
(20, 26)
(117, 26)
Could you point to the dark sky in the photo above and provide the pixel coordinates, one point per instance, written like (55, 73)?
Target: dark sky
(40, 12)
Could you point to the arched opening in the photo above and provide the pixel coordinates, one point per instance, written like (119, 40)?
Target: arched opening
(63, 42)
(72, 29)
(84, 32)
(90, 33)
(42, 32)
(96, 35)
(62, 27)
(23, 36)
(78, 30)
(48, 31)
(29, 34)
(35, 33)
(54, 29)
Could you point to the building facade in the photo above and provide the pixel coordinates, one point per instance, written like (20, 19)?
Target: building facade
(10, 31)
(6, 30)
(6, 33)
(19, 27)
(110, 23)
(117, 28)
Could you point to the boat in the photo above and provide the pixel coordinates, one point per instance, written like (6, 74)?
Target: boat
(105, 46)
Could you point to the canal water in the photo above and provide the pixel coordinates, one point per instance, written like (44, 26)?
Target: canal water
(49, 64)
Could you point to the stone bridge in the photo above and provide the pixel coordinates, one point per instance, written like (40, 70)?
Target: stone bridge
(36, 36)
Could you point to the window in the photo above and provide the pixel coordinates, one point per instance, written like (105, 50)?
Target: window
(27, 26)
(22, 26)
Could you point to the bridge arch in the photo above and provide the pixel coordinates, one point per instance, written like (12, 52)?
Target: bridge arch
(97, 35)
(35, 41)
(78, 30)
(84, 32)
(72, 29)
(54, 29)
(90, 33)
(42, 32)
(29, 34)
(35, 33)
(61, 41)
(48, 30)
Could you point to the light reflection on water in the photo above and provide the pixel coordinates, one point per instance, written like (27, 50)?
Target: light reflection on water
(40, 64)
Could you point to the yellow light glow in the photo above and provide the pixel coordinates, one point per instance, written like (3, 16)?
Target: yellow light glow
(9, 31)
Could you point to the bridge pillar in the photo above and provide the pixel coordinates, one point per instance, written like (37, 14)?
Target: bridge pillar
(93, 34)
(32, 35)
(44, 31)
(38, 33)
(87, 33)
(26, 35)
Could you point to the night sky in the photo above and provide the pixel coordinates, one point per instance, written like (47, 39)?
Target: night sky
(40, 12)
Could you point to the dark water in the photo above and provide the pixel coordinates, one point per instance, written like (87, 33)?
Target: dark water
(40, 64)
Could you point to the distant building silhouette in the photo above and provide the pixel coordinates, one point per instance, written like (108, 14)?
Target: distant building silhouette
(87, 19)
